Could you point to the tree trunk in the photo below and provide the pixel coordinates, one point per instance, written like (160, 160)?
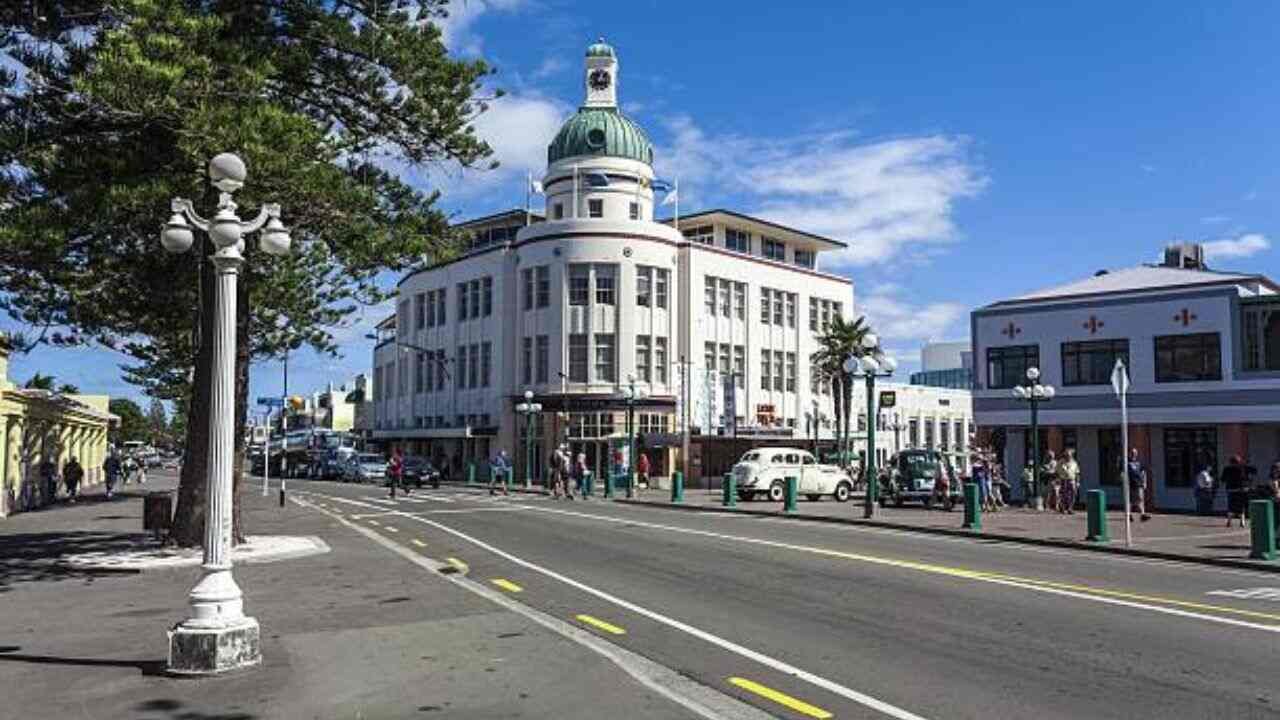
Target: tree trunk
(188, 518)
(837, 389)
(242, 402)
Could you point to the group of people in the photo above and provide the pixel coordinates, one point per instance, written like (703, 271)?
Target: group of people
(115, 470)
(1237, 480)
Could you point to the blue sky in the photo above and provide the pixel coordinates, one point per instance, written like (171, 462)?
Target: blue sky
(965, 153)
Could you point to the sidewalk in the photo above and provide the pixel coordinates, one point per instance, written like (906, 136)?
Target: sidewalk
(1168, 536)
(353, 633)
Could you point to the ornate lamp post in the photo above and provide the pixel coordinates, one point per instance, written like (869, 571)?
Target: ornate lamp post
(869, 367)
(1033, 394)
(630, 395)
(528, 409)
(219, 636)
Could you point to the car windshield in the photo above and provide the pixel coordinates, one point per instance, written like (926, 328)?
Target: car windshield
(751, 457)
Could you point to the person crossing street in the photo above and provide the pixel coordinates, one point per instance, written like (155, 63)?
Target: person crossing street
(111, 471)
(499, 468)
(72, 474)
(395, 473)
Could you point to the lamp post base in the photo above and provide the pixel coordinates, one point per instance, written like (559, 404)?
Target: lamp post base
(869, 508)
(213, 650)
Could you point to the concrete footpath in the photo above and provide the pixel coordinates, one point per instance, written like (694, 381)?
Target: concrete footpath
(355, 632)
(1187, 538)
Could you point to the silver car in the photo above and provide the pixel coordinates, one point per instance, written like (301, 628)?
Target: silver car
(365, 467)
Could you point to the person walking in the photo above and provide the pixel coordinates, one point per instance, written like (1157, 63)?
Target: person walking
(500, 467)
(1236, 482)
(1273, 492)
(1029, 487)
(1205, 489)
(981, 475)
(1049, 476)
(72, 475)
(395, 472)
(1137, 475)
(580, 474)
(111, 473)
(642, 473)
(1068, 482)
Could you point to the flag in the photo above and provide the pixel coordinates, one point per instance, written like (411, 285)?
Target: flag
(661, 185)
(671, 198)
(597, 179)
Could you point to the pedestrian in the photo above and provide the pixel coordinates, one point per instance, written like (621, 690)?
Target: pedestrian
(999, 486)
(580, 474)
(1049, 476)
(642, 471)
(979, 474)
(553, 472)
(499, 467)
(1029, 488)
(111, 473)
(395, 472)
(1068, 482)
(72, 474)
(1236, 482)
(49, 478)
(1205, 489)
(566, 470)
(1138, 478)
(942, 486)
(1273, 493)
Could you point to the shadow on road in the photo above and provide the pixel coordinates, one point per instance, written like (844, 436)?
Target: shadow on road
(9, 653)
(168, 708)
(40, 557)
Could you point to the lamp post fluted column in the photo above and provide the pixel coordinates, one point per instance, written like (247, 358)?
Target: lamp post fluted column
(218, 636)
(1033, 394)
(869, 365)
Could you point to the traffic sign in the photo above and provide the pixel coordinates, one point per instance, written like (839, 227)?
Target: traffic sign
(271, 401)
(888, 398)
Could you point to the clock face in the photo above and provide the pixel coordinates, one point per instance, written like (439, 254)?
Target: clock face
(599, 80)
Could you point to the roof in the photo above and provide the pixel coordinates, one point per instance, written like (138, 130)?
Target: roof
(759, 221)
(1137, 279)
(601, 131)
(484, 219)
(600, 49)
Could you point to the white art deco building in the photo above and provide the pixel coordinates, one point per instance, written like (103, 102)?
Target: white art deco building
(572, 305)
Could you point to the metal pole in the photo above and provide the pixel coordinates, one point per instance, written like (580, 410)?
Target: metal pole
(528, 448)
(266, 455)
(873, 485)
(1036, 500)
(684, 439)
(1124, 465)
(631, 441)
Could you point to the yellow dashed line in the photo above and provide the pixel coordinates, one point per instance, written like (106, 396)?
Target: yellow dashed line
(600, 624)
(506, 585)
(783, 699)
(456, 563)
(419, 543)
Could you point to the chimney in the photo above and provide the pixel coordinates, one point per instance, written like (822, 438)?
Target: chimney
(1184, 255)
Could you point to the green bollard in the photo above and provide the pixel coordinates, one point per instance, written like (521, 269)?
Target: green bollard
(789, 496)
(608, 485)
(677, 487)
(471, 473)
(1262, 532)
(588, 484)
(972, 510)
(1096, 506)
(728, 485)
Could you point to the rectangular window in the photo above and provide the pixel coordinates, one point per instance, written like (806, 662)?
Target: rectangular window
(913, 433)
(1186, 450)
(704, 234)
(777, 307)
(804, 258)
(740, 365)
(791, 310)
(826, 314)
(557, 211)
(419, 311)
(605, 285)
(430, 308)
(791, 372)
(960, 438)
(740, 300)
(737, 240)
(634, 211)
(1090, 362)
(643, 359)
(1188, 358)
(773, 249)
(595, 208)
(462, 367)
(488, 296)
(660, 288)
(764, 305)
(1007, 366)
(765, 360)
(660, 359)
(813, 314)
(486, 363)
(579, 284)
(528, 360)
(605, 358)
(440, 369)
(644, 286)
(709, 295)
(428, 371)
(726, 302)
(724, 359)
(709, 356)
(473, 366)
(544, 352)
(462, 302)
(578, 357)
(402, 319)
(418, 373)
(442, 307)
(526, 276)
(543, 273)
(777, 370)
(944, 434)
(474, 302)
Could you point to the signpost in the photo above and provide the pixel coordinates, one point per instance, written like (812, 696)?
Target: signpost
(1120, 384)
(269, 403)
(888, 399)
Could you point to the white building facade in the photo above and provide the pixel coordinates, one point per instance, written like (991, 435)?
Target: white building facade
(715, 318)
(1203, 352)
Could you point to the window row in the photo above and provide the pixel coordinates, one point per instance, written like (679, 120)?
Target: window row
(595, 209)
(741, 241)
(728, 359)
(651, 359)
(586, 280)
(475, 298)
(430, 309)
(1178, 358)
(775, 304)
(433, 422)
(536, 353)
(777, 370)
(726, 298)
(593, 358)
(822, 312)
(537, 286)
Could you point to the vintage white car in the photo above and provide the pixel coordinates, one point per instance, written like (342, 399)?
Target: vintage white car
(763, 471)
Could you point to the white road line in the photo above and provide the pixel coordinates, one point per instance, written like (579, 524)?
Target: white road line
(699, 699)
(779, 665)
(976, 576)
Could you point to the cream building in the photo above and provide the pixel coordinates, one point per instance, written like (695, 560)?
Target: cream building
(715, 317)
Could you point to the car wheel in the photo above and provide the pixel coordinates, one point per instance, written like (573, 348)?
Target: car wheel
(843, 492)
(777, 491)
(812, 498)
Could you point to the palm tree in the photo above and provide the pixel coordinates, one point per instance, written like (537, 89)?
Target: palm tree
(68, 389)
(39, 382)
(838, 341)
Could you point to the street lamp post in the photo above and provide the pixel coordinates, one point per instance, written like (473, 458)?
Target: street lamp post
(219, 636)
(869, 367)
(528, 409)
(1033, 394)
(630, 394)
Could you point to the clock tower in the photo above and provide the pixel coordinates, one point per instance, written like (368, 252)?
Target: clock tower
(601, 76)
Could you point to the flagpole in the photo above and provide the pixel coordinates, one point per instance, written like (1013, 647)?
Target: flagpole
(528, 188)
(575, 191)
(676, 224)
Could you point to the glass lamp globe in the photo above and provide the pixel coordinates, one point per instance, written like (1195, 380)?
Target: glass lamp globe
(869, 364)
(225, 228)
(176, 236)
(888, 364)
(870, 341)
(275, 238)
(1033, 373)
(1050, 391)
(1020, 392)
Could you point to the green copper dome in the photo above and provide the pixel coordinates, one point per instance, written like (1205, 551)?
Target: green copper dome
(600, 49)
(602, 132)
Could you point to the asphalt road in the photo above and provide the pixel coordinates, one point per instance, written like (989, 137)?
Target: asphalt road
(811, 620)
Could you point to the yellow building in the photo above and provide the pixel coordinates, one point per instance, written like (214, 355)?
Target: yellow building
(36, 425)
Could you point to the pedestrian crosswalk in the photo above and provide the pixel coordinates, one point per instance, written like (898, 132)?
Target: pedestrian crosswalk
(425, 498)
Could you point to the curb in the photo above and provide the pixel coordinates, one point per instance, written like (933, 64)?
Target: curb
(958, 532)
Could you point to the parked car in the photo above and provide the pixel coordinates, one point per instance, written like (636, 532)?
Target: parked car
(365, 467)
(912, 476)
(763, 471)
(419, 470)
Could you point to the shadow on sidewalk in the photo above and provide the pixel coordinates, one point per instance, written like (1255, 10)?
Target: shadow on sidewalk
(39, 557)
(9, 653)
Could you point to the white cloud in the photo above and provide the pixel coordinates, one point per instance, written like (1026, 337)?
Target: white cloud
(897, 320)
(1238, 247)
(455, 28)
(881, 197)
(552, 65)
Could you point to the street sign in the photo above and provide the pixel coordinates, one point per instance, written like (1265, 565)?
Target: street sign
(1119, 379)
(888, 398)
(271, 401)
